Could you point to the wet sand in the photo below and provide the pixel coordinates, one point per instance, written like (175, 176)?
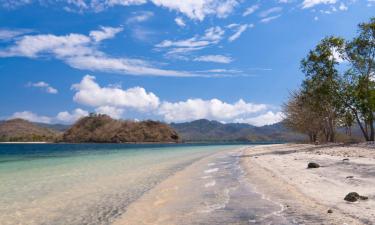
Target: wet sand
(214, 190)
(267, 184)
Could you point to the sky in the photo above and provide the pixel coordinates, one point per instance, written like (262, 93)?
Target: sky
(167, 60)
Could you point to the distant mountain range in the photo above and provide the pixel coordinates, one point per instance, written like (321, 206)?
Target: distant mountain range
(105, 129)
(19, 130)
(206, 130)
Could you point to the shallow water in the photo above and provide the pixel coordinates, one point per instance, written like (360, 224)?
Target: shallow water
(84, 184)
(215, 190)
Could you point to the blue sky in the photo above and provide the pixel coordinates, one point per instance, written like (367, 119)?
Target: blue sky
(174, 61)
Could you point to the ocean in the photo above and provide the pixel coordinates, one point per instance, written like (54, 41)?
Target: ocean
(85, 183)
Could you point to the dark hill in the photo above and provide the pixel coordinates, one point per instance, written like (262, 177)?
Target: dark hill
(24, 131)
(104, 129)
(205, 130)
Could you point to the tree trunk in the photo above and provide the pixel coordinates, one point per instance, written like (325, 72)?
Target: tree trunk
(332, 131)
(371, 124)
(365, 134)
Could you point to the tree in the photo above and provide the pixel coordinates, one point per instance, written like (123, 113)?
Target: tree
(360, 85)
(321, 85)
(300, 117)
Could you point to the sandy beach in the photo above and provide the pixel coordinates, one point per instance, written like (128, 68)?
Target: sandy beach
(266, 184)
(280, 171)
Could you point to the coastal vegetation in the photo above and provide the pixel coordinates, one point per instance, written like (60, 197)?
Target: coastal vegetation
(338, 90)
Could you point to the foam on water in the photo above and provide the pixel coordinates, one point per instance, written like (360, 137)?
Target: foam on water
(214, 170)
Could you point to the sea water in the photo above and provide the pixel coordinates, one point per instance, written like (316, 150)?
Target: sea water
(84, 183)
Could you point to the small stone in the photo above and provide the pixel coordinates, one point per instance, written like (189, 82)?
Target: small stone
(349, 177)
(329, 211)
(346, 159)
(313, 165)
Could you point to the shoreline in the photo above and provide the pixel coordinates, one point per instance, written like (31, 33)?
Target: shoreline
(27, 142)
(272, 185)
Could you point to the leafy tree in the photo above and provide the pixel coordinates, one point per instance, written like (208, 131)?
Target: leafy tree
(360, 86)
(321, 86)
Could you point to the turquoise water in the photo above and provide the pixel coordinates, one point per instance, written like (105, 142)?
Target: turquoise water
(87, 183)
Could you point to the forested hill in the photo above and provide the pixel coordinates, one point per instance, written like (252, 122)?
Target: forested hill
(104, 129)
(206, 130)
(19, 130)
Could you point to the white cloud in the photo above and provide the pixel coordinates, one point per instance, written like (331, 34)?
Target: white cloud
(101, 5)
(250, 10)
(61, 117)
(114, 101)
(105, 33)
(111, 111)
(267, 118)
(343, 7)
(212, 36)
(81, 52)
(194, 9)
(143, 34)
(122, 65)
(68, 117)
(8, 34)
(311, 3)
(91, 94)
(11, 4)
(269, 19)
(180, 22)
(214, 58)
(60, 46)
(139, 17)
(270, 11)
(239, 30)
(199, 9)
(216, 109)
(44, 86)
(30, 116)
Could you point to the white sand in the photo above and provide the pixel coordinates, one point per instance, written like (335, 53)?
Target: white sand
(280, 172)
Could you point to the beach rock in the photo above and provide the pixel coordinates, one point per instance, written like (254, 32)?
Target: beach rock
(349, 177)
(329, 211)
(346, 159)
(354, 196)
(313, 165)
